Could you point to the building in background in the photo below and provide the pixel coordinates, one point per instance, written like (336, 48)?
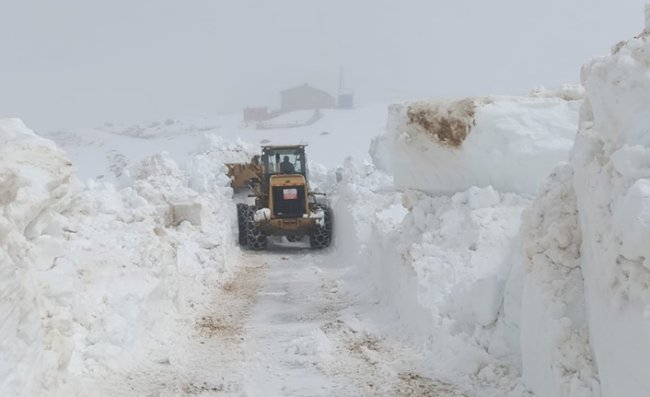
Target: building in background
(345, 100)
(305, 97)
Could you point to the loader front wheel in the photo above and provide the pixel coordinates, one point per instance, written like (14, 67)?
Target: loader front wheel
(241, 223)
(255, 237)
(322, 237)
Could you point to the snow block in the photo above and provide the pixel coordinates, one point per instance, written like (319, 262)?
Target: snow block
(447, 146)
(189, 211)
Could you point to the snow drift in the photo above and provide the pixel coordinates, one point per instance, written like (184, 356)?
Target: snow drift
(509, 143)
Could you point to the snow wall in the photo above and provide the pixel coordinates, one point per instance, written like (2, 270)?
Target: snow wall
(438, 218)
(585, 328)
(490, 238)
(611, 165)
(556, 287)
(93, 278)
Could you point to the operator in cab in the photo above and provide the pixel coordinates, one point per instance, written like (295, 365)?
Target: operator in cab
(286, 167)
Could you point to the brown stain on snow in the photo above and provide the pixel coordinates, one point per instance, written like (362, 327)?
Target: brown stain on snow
(450, 123)
(232, 306)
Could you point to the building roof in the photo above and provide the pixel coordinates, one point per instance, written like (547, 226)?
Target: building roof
(284, 146)
(303, 87)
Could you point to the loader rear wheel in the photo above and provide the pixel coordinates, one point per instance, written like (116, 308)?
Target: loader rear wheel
(322, 237)
(241, 223)
(255, 237)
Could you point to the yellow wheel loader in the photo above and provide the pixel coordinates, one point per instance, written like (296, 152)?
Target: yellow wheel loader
(284, 204)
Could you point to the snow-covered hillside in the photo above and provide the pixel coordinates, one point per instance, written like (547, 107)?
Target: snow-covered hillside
(103, 152)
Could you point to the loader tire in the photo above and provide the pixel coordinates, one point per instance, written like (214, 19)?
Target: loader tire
(255, 237)
(241, 223)
(322, 237)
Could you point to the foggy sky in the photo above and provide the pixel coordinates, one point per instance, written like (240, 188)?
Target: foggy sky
(83, 62)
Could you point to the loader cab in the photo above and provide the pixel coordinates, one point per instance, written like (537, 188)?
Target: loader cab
(274, 159)
(285, 181)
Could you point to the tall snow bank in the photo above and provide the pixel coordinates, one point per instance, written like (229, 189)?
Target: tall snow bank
(100, 282)
(144, 259)
(585, 328)
(611, 162)
(35, 185)
(509, 143)
(438, 266)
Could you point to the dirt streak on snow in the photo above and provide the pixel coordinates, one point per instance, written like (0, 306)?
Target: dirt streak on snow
(209, 358)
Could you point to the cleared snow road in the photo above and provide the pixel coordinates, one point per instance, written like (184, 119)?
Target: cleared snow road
(298, 343)
(281, 327)
(295, 341)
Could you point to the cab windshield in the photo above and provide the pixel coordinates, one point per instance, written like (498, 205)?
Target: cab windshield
(284, 161)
